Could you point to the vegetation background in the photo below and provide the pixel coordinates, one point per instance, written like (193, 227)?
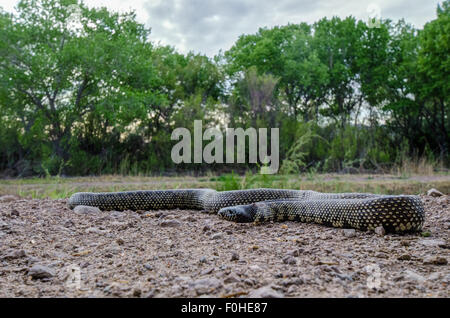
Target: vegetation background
(85, 91)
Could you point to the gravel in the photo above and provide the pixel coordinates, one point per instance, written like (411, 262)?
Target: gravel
(48, 250)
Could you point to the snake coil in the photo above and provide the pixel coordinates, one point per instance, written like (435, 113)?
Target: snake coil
(363, 211)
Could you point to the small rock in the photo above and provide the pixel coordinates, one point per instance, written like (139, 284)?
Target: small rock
(207, 271)
(4, 225)
(294, 253)
(437, 260)
(380, 230)
(13, 254)
(68, 223)
(120, 241)
(217, 236)
(255, 268)
(41, 271)
(265, 292)
(83, 209)
(289, 260)
(170, 223)
(148, 267)
(410, 275)
(405, 243)
(206, 228)
(434, 193)
(14, 212)
(203, 260)
(234, 256)
(137, 292)
(95, 230)
(116, 214)
(206, 285)
(190, 218)
(431, 242)
(404, 257)
(295, 281)
(349, 232)
(344, 277)
(232, 278)
(381, 255)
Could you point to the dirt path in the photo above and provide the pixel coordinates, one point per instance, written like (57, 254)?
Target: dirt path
(49, 250)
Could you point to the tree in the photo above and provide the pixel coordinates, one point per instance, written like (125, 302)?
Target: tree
(336, 42)
(434, 68)
(286, 53)
(59, 67)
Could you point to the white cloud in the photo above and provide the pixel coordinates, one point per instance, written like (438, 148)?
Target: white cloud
(207, 26)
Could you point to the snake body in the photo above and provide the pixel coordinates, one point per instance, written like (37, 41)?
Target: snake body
(363, 211)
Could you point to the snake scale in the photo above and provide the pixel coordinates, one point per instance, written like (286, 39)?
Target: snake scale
(362, 211)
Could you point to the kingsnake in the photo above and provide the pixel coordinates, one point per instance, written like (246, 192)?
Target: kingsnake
(363, 211)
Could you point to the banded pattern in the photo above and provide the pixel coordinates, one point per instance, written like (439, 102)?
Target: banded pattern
(363, 211)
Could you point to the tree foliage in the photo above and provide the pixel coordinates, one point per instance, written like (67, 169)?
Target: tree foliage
(86, 91)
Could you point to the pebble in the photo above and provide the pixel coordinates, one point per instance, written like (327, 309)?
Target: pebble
(137, 292)
(13, 254)
(289, 260)
(120, 241)
(431, 242)
(349, 232)
(83, 209)
(381, 255)
(232, 278)
(116, 214)
(217, 236)
(265, 292)
(206, 285)
(404, 257)
(40, 271)
(410, 275)
(170, 223)
(344, 277)
(189, 218)
(4, 225)
(68, 223)
(296, 281)
(434, 193)
(207, 271)
(380, 230)
(234, 256)
(436, 260)
(255, 267)
(294, 253)
(95, 230)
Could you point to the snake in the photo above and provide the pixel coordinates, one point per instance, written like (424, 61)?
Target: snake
(361, 211)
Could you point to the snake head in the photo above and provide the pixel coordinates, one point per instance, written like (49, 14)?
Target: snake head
(239, 213)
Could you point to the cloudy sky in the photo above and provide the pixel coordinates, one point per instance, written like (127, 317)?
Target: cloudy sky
(207, 26)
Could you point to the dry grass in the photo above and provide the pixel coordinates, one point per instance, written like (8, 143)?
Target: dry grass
(383, 184)
(418, 166)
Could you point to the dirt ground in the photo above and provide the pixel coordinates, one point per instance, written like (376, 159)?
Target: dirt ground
(47, 250)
